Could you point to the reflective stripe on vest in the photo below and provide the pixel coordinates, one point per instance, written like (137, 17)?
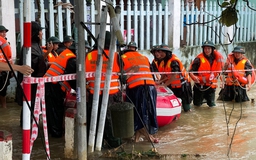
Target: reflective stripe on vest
(231, 80)
(7, 50)
(91, 64)
(133, 58)
(176, 79)
(58, 68)
(205, 66)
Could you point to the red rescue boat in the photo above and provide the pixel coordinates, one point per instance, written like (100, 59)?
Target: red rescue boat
(168, 106)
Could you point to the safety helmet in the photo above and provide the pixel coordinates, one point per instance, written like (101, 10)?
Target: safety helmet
(132, 44)
(239, 49)
(2, 28)
(68, 39)
(163, 47)
(153, 49)
(53, 40)
(208, 44)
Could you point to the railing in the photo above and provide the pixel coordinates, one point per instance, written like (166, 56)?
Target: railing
(201, 23)
(59, 17)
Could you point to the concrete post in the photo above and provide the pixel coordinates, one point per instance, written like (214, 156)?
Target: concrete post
(69, 149)
(5, 145)
(174, 24)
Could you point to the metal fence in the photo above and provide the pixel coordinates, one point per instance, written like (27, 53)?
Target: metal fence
(146, 22)
(201, 23)
(140, 22)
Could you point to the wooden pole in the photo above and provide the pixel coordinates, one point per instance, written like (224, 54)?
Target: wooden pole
(97, 80)
(80, 82)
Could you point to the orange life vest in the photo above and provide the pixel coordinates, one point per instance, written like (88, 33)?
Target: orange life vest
(58, 68)
(51, 56)
(176, 79)
(7, 50)
(208, 74)
(131, 59)
(91, 63)
(236, 71)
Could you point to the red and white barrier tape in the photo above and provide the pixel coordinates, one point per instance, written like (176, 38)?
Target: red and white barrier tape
(67, 77)
(37, 111)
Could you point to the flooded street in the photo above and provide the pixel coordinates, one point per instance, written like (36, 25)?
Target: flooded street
(226, 131)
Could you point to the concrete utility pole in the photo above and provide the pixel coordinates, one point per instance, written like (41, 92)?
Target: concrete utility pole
(115, 32)
(97, 17)
(80, 82)
(97, 81)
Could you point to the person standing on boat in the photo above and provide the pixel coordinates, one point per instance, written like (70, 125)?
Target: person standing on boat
(177, 78)
(204, 71)
(239, 75)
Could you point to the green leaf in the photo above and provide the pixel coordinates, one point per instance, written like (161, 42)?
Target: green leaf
(225, 4)
(233, 1)
(229, 16)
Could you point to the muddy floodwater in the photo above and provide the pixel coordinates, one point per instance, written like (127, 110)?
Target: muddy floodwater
(226, 131)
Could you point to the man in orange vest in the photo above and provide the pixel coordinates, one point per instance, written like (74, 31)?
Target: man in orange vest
(114, 92)
(239, 76)
(204, 71)
(55, 92)
(53, 43)
(4, 76)
(176, 78)
(141, 91)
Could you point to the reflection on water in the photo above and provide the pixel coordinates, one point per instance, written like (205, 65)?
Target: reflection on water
(205, 131)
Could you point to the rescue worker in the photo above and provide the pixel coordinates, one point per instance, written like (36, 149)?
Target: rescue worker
(141, 91)
(67, 42)
(4, 76)
(56, 92)
(54, 43)
(132, 46)
(204, 71)
(177, 78)
(238, 76)
(3, 31)
(155, 63)
(115, 94)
